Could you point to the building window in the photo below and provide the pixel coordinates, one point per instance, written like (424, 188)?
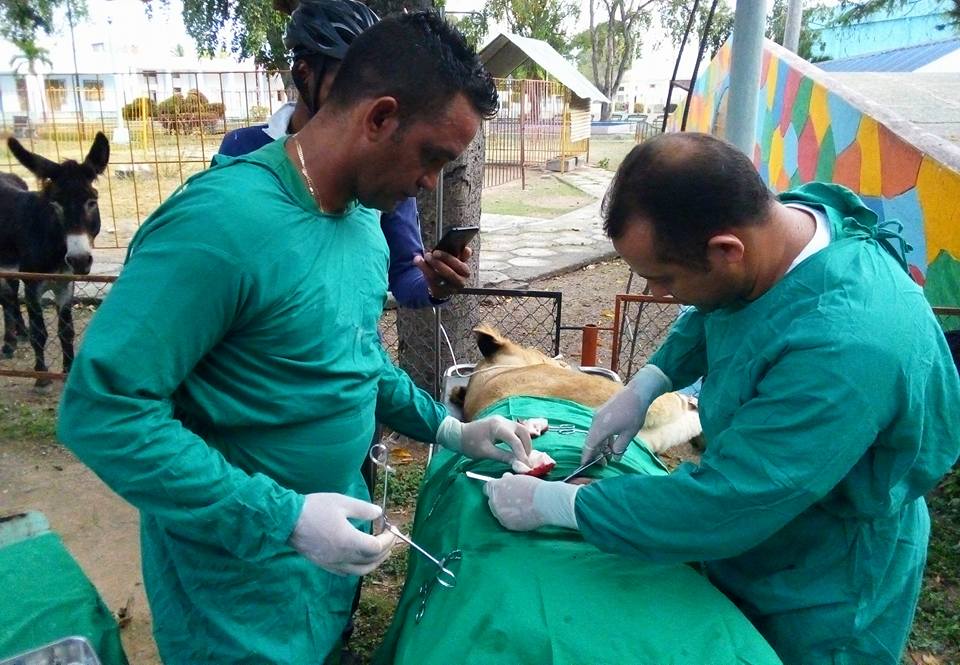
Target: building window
(22, 94)
(97, 47)
(93, 91)
(56, 90)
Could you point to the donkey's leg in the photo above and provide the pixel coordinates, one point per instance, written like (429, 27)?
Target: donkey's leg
(9, 303)
(38, 329)
(63, 292)
(21, 331)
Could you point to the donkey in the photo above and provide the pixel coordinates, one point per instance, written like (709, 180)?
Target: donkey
(50, 231)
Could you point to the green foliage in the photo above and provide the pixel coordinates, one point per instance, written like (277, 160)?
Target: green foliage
(937, 624)
(254, 27)
(674, 15)
(539, 19)
(140, 109)
(259, 113)
(21, 20)
(811, 47)
(184, 115)
(473, 25)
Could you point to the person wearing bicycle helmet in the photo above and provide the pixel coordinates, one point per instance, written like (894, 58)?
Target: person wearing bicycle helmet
(318, 34)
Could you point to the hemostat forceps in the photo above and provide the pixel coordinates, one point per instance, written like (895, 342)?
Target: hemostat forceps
(445, 577)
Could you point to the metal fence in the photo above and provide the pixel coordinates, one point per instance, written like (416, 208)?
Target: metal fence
(165, 127)
(531, 318)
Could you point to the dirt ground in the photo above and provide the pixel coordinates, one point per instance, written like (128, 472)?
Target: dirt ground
(100, 529)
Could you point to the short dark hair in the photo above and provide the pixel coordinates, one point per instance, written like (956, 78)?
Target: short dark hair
(418, 59)
(689, 187)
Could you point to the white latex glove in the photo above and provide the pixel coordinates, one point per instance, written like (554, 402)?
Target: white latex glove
(622, 416)
(477, 439)
(524, 503)
(324, 535)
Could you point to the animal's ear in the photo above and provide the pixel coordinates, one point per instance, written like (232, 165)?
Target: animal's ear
(458, 396)
(39, 166)
(489, 341)
(99, 154)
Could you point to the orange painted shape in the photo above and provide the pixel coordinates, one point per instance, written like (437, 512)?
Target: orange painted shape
(899, 164)
(846, 171)
(783, 182)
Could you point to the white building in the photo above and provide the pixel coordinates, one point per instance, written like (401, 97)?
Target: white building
(121, 55)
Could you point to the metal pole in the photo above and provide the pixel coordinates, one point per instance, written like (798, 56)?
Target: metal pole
(676, 65)
(791, 30)
(696, 65)
(745, 59)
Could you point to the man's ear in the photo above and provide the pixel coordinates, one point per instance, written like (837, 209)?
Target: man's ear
(381, 120)
(725, 248)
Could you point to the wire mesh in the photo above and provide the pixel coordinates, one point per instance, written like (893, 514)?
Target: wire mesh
(640, 324)
(18, 358)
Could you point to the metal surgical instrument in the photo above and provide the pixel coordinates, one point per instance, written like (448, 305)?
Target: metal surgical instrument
(445, 577)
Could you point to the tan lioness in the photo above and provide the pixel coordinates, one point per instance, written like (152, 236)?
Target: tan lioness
(509, 369)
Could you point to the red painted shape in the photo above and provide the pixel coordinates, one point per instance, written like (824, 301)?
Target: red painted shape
(899, 164)
(764, 68)
(789, 95)
(917, 275)
(808, 151)
(847, 169)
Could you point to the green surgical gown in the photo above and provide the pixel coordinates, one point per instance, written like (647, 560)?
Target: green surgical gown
(830, 407)
(234, 367)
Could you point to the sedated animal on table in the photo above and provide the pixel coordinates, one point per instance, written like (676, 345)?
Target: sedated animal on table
(510, 369)
(48, 231)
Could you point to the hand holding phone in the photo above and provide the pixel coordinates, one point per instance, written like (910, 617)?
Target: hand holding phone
(456, 238)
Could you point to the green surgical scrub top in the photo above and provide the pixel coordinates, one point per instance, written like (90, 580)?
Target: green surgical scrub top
(830, 407)
(234, 367)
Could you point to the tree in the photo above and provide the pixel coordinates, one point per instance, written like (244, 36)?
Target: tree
(254, 28)
(811, 46)
(22, 20)
(612, 43)
(473, 25)
(675, 13)
(538, 19)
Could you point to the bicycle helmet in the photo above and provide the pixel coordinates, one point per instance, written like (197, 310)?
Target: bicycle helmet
(326, 27)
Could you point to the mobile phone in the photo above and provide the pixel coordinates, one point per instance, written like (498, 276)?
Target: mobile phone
(456, 238)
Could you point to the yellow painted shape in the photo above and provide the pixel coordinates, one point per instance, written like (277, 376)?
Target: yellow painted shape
(868, 137)
(772, 80)
(776, 154)
(938, 189)
(819, 111)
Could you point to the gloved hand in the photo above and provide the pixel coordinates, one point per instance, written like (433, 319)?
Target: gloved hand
(622, 416)
(523, 503)
(324, 535)
(477, 439)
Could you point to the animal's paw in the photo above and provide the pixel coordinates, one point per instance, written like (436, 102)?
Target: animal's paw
(43, 386)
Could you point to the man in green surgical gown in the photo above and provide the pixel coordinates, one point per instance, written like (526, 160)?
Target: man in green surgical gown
(229, 385)
(829, 404)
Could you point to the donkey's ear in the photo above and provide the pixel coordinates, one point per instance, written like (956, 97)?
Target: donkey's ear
(39, 166)
(489, 341)
(99, 154)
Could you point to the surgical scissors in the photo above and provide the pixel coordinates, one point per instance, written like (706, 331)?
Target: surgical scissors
(379, 455)
(606, 452)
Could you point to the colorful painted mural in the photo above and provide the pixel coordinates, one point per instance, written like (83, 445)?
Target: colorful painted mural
(807, 131)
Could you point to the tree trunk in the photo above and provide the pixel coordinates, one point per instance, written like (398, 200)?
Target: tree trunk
(462, 185)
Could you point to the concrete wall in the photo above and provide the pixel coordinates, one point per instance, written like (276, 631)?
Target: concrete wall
(810, 127)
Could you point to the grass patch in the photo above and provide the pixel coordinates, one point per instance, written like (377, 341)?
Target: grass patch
(25, 420)
(609, 151)
(936, 628)
(545, 196)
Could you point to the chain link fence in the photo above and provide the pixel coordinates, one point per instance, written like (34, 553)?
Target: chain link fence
(530, 318)
(640, 324)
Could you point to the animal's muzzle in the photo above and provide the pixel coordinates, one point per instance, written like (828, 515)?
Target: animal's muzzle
(79, 253)
(80, 264)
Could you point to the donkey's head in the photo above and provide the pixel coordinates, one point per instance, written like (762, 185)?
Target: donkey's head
(68, 189)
